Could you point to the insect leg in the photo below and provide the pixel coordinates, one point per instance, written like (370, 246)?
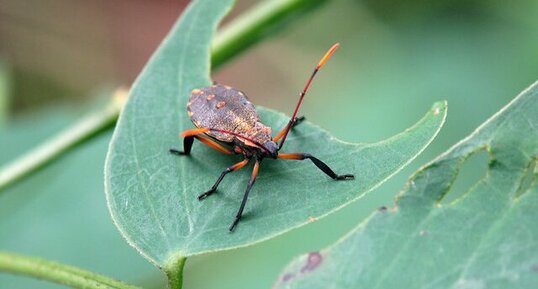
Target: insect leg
(298, 120)
(245, 197)
(213, 144)
(189, 136)
(224, 173)
(281, 133)
(321, 165)
(187, 145)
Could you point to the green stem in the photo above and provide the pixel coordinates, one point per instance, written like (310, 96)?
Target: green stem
(243, 32)
(58, 273)
(43, 154)
(257, 23)
(174, 273)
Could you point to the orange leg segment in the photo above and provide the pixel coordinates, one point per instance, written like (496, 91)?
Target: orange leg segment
(193, 132)
(213, 144)
(281, 133)
(291, 156)
(188, 139)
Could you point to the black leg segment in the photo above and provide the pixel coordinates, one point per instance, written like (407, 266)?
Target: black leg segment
(298, 120)
(245, 196)
(224, 173)
(321, 165)
(326, 169)
(187, 146)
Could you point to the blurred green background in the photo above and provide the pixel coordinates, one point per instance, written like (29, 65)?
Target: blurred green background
(396, 59)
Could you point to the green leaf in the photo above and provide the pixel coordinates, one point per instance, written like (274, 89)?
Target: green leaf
(486, 238)
(152, 194)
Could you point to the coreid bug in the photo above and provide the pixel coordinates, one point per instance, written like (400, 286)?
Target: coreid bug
(228, 122)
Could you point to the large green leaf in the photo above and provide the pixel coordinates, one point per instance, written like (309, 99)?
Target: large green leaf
(486, 238)
(152, 194)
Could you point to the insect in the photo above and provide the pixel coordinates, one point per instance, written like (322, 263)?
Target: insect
(228, 122)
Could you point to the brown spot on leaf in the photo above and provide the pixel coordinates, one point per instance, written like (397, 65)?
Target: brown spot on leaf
(196, 91)
(220, 104)
(311, 219)
(312, 262)
(382, 209)
(287, 277)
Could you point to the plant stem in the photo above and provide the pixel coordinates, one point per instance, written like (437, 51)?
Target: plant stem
(174, 273)
(56, 272)
(243, 32)
(83, 129)
(257, 23)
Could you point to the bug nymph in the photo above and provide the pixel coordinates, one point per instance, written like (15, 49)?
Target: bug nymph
(228, 122)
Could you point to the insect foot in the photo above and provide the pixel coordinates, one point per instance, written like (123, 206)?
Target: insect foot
(206, 194)
(234, 224)
(345, 177)
(178, 152)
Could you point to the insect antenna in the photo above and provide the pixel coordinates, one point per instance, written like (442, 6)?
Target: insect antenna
(302, 94)
(242, 137)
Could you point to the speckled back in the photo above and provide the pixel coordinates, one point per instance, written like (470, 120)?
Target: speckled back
(222, 107)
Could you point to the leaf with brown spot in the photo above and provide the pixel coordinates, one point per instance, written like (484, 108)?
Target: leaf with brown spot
(486, 238)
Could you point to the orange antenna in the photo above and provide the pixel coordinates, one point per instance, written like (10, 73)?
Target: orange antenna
(305, 89)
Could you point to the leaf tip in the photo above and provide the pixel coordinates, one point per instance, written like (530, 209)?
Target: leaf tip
(440, 107)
